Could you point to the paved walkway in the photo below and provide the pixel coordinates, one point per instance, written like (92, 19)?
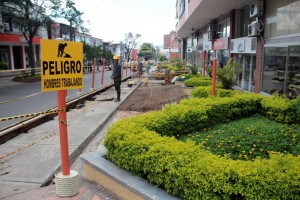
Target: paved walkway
(23, 173)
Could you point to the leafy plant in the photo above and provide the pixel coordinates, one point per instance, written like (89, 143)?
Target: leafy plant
(227, 74)
(248, 138)
(3, 65)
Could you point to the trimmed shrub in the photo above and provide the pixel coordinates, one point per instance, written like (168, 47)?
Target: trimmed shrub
(195, 82)
(281, 109)
(189, 76)
(186, 170)
(205, 92)
(146, 145)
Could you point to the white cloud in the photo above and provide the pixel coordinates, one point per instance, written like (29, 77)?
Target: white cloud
(111, 19)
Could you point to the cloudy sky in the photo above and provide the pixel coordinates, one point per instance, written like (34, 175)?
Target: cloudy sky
(111, 19)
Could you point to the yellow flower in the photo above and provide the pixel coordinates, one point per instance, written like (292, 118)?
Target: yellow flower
(254, 145)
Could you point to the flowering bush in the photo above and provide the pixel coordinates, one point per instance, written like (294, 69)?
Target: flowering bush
(147, 145)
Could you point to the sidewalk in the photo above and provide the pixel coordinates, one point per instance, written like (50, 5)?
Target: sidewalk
(22, 174)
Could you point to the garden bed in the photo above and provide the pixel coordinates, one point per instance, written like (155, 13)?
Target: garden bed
(148, 145)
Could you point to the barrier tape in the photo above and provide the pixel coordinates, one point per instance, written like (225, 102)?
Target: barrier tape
(62, 121)
(36, 142)
(31, 115)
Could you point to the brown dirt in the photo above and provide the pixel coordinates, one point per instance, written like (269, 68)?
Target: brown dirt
(145, 99)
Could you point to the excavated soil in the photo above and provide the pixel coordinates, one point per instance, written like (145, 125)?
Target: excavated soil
(154, 97)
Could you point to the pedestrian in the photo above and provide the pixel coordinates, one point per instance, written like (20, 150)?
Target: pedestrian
(148, 67)
(141, 67)
(116, 76)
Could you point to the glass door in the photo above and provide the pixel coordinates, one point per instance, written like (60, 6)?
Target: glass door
(274, 77)
(293, 72)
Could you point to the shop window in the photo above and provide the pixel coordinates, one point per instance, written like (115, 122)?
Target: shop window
(282, 18)
(224, 29)
(282, 71)
(245, 79)
(242, 21)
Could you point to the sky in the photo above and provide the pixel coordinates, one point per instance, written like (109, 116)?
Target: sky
(110, 20)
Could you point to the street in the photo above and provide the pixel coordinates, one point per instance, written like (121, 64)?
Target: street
(26, 98)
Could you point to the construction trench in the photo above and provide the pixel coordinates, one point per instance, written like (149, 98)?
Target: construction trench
(153, 97)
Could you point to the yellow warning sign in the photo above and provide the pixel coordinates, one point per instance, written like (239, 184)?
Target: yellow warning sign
(61, 65)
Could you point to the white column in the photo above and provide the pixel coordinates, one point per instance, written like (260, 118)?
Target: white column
(11, 57)
(34, 54)
(24, 56)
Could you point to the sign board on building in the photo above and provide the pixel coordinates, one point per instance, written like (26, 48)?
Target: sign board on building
(243, 45)
(221, 43)
(61, 65)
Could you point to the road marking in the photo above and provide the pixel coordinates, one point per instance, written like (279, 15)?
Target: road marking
(18, 99)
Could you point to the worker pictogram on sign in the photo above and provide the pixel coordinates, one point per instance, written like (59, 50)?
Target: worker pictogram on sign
(61, 52)
(61, 65)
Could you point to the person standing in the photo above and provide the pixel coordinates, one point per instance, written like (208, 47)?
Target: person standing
(116, 76)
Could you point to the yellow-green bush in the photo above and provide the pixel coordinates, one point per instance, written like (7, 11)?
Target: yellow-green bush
(197, 81)
(281, 109)
(206, 91)
(189, 76)
(147, 145)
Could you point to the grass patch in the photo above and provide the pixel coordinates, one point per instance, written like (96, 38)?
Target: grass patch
(27, 78)
(248, 138)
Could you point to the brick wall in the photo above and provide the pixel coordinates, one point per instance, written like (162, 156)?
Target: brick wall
(259, 66)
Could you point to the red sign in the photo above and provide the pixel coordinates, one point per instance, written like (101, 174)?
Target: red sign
(221, 43)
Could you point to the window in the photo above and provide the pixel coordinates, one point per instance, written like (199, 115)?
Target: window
(242, 21)
(224, 29)
(282, 18)
(282, 71)
(181, 7)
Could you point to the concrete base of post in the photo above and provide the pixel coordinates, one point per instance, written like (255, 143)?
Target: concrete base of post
(67, 186)
(92, 89)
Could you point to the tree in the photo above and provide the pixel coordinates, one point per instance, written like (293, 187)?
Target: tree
(130, 43)
(146, 51)
(68, 11)
(29, 15)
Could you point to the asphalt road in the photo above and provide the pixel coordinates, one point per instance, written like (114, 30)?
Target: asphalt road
(26, 98)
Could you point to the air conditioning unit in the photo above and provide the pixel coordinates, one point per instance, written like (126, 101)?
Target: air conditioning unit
(254, 29)
(6, 27)
(210, 36)
(256, 9)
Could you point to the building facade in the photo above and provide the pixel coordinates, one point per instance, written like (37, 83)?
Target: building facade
(14, 47)
(171, 45)
(263, 36)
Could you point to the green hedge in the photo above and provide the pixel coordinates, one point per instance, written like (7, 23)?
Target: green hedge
(195, 82)
(281, 109)
(189, 76)
(205, 92)
(147, 145)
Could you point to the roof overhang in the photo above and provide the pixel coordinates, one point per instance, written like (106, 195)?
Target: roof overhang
(207, 11)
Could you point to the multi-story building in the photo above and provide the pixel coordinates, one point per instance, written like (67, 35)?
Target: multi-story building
(14, 47)
(171, 45)
(262, 35)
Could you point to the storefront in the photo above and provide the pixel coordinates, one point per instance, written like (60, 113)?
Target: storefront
(244, 50)
(14, 51)
(222, 51)
(281, 71)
